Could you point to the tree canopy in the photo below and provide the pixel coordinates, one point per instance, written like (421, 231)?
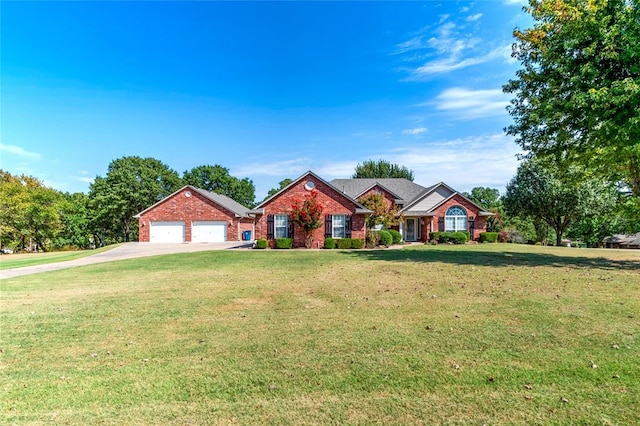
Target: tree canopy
(381, 169)
(558, 199)
(131, 185)
(217, 179)
(283, 183)
(577, 95)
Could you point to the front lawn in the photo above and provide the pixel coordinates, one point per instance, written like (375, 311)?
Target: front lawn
(19, 260)
(486, 334)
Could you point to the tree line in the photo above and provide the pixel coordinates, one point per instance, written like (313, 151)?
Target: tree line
(34, 217)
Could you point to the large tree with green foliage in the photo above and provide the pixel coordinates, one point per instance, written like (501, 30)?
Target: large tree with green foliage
(29, 210)
(217, 179)
(556, 198)
(131, 185)
(381, 169)
(577, 96)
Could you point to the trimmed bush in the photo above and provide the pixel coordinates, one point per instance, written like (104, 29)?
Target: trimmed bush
(329, 243)
(284, 243)
(503, 236)
(344, 243)
(262, 243)
(357, 243)
(450, 237)
(396, 236)
(385, 238)
(435, 236)
(488, 237)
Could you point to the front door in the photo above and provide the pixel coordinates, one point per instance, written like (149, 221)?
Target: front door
(410, 231)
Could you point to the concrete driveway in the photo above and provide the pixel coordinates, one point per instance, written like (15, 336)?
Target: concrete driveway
(125, 251)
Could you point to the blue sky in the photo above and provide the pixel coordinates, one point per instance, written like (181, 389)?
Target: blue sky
(268, 90)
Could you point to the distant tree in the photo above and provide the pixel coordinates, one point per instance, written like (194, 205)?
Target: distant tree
(555, 198)
(577, 95)
(74, 215)
(307, 214)
(217, 179)
(28, 210)
(131, 185)
(282, 184)
(381, 169)
(383, 213)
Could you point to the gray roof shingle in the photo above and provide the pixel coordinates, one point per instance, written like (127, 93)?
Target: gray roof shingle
(402, 188)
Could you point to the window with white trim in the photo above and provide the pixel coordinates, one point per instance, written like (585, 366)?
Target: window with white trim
(455, 219)
(281, 225)
(338, 225)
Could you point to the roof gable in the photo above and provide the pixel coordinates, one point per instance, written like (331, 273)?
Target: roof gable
(400, 188)
(359, 207)
(219, 199)
(439, 194)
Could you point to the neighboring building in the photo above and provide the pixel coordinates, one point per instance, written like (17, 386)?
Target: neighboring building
(422, 210)
(623, 241)
(343, 216)
(194, 215)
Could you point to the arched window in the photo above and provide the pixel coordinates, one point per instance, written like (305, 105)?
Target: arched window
(455, 219)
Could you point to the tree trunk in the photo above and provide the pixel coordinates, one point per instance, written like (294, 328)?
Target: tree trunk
(308, 239)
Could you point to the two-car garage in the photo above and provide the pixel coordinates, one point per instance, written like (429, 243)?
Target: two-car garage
(175, 231)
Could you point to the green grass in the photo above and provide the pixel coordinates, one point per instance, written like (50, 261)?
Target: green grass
(328, 337)
(20, 260)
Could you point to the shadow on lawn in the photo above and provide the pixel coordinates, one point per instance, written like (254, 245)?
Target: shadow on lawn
(495, 258)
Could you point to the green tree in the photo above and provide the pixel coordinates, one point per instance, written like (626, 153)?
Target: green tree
(217, 179)
(577, 95)
(381, 169)
(131, 185)
(307, 214)
(74, 215)
(282, 184)
(555, 198)
(28, 210)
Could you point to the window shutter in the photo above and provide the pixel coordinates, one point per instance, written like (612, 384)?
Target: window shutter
(270, 227)
(347, 226)
(328, 226)
(289, 228)
(441, 224)
(472, 229)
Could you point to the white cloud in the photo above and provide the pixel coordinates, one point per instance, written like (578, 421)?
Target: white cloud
(414, 132)
(488, 160)
(84, 179)
(475, 17)
(19, 151)
(515, 2)
(470, 104)
(454, 62)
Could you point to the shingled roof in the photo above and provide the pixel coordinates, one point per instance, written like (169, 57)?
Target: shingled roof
(401, 188)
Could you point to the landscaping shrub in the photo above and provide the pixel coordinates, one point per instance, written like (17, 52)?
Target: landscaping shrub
(516, 237)
(435, 236)
(329, 243)
(284, 243)
(488, 237)
(396, 236)
(503, 236)
(451, 237)
(344, 243)
(261, 243)
(385, 238)
(357, 243)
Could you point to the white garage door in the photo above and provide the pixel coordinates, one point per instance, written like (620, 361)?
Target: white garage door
(166, 232)
(208, 232)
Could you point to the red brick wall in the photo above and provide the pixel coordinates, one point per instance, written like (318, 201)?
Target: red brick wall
(457, 200)
(188, 209)
(332, 201)
(388, 198)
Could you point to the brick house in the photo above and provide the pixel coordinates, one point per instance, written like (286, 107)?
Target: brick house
(422, 210)
(344, 217)
(194, 215)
